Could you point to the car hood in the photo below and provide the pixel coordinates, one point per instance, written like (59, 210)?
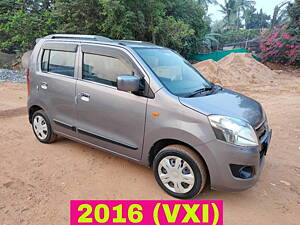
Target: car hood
(227, 103)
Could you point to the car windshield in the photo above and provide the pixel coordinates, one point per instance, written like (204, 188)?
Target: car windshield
(175, 73)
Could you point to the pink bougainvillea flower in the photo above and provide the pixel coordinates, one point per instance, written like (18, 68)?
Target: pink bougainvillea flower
(286, 36)
(279, 46)
(293, 52)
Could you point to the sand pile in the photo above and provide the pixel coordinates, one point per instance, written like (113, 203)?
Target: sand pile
(208, 68)
(236, 69)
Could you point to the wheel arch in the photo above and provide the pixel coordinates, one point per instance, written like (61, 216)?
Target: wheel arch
(32, 110)
(160, 144)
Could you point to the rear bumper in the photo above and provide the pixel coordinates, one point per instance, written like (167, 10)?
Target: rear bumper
(222, 155)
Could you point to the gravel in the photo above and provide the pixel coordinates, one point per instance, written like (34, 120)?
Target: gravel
(14, 76)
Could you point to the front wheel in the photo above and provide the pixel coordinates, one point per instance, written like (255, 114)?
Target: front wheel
(180, 171)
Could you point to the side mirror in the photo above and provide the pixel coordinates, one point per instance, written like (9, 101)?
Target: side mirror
(128, 83)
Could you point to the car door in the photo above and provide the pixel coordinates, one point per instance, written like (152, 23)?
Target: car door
(56, 85)
(107, 117)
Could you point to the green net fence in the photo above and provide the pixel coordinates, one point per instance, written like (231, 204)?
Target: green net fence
(216, 56)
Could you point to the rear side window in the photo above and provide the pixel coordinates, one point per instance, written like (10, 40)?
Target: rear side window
(103, 69)
(60, 62)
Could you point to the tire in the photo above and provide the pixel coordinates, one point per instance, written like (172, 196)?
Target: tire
(42, 128)
(174, 165)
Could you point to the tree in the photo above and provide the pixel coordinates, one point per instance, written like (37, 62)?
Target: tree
(210, 40)
(207, 2)
(242, 6)
(233, 36)
(279, 14)
(256, 20)
(78, 16)
(245, 4)
(22, 21)
(234, 11)
(293, 10)
(179, 24)
(8, 5)
(229, 9)
(194, 15)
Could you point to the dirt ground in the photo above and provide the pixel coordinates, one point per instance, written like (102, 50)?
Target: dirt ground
(37, 181)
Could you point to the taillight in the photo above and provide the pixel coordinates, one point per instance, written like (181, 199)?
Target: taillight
(28, 81)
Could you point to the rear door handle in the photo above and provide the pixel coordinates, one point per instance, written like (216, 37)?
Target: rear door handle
(44, 85)
(85, 97)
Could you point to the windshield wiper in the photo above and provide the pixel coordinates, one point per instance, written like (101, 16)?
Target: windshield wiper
(200, 91)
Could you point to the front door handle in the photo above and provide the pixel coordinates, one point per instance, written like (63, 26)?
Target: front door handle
(44, 85)
(85, 97)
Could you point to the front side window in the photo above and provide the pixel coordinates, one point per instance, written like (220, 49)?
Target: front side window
(103, 69)
(175, 73)
(60, 62)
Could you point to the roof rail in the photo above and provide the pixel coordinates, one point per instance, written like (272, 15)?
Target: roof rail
(79, 36)
(134, 41)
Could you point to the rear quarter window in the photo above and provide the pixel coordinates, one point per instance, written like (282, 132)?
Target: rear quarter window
(45, 61)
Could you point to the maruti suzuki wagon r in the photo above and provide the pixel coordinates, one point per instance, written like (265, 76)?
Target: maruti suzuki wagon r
(148, 104)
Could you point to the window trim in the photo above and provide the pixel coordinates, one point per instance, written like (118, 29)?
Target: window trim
(60, 46)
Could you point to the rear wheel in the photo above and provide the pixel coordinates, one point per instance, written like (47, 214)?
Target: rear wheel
(180, 171)
(42, 128)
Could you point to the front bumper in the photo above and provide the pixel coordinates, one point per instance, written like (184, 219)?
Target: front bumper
(222, 155)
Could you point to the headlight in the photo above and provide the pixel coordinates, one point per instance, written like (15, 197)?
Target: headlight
(232, 130)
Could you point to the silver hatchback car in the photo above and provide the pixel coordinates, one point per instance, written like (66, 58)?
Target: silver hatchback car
(148, 104)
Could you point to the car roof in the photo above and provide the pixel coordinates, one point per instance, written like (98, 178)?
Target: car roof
(99, 39)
